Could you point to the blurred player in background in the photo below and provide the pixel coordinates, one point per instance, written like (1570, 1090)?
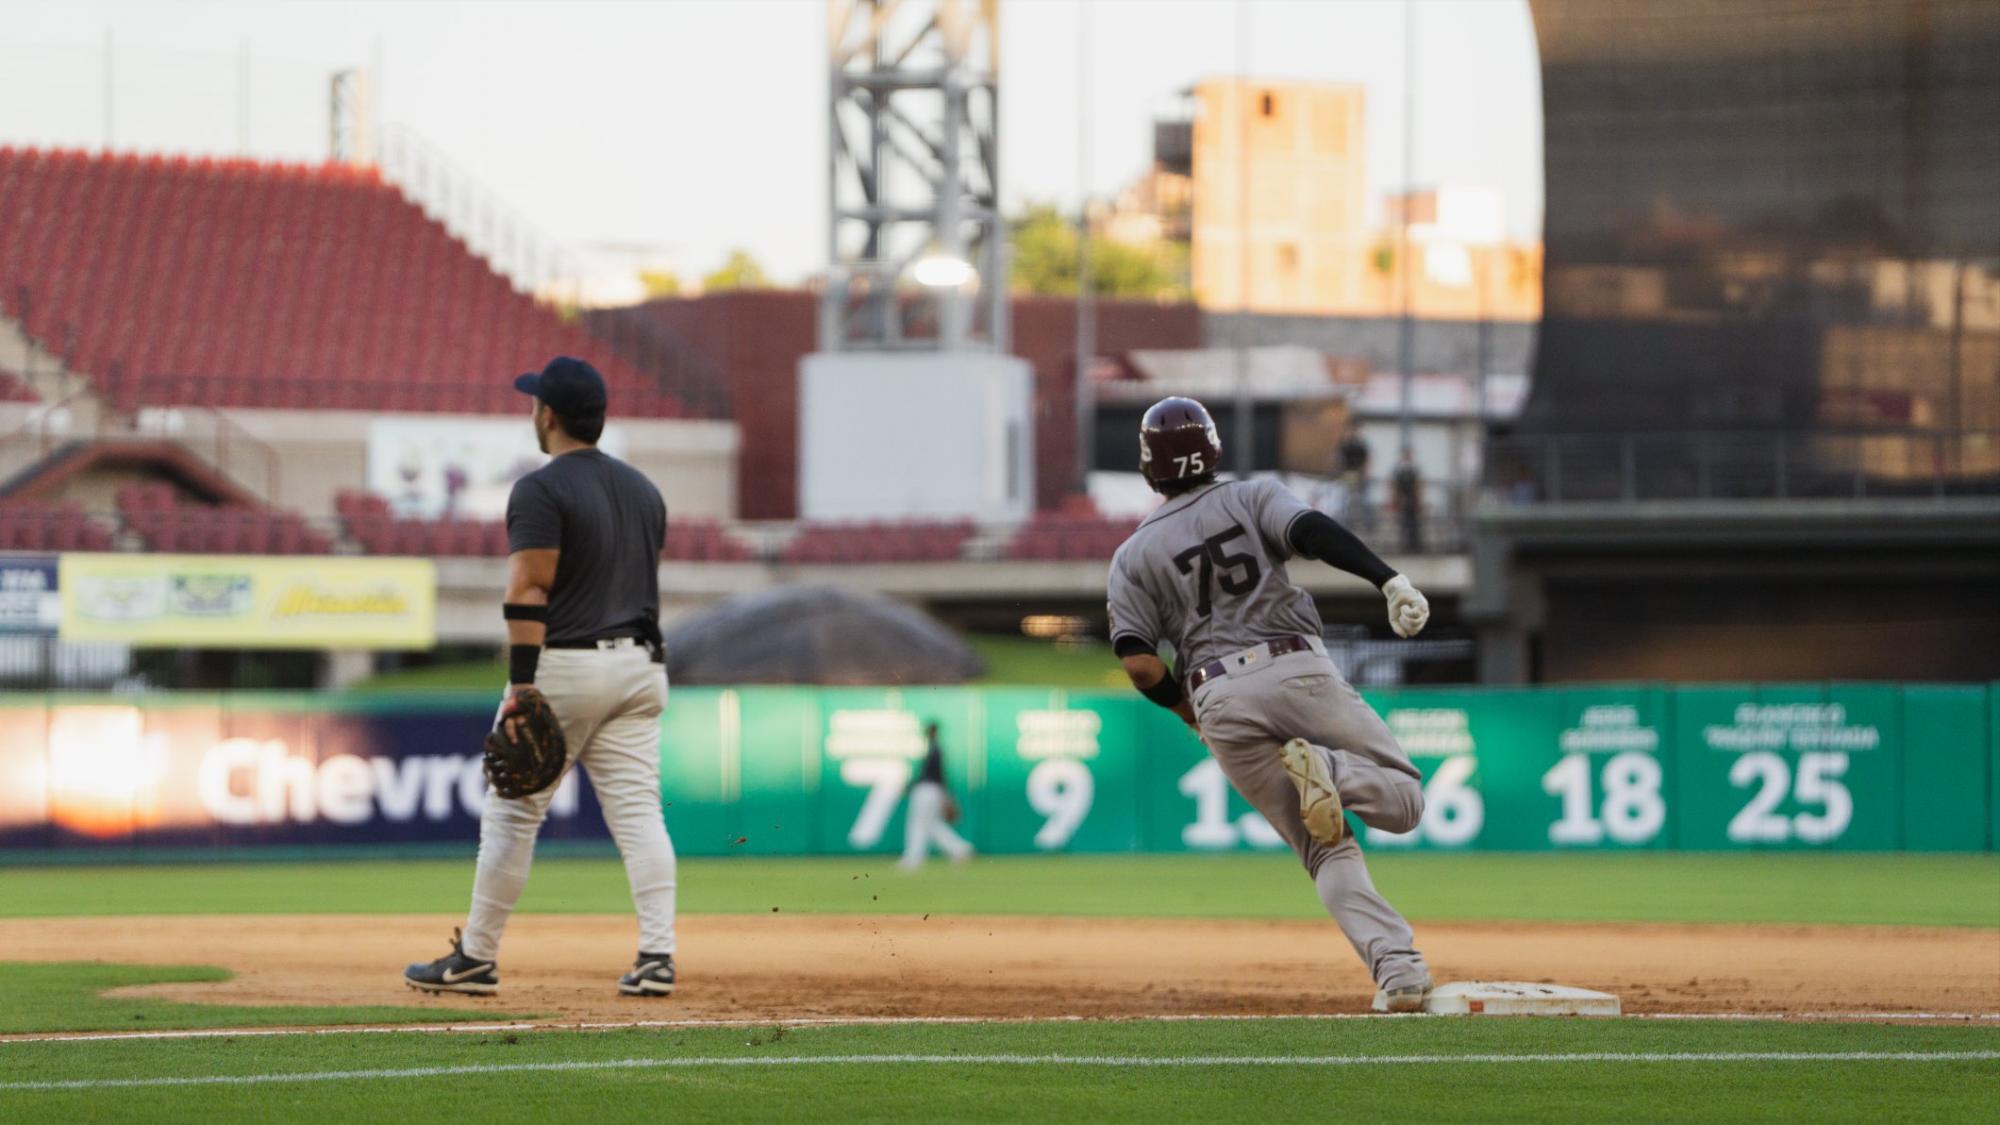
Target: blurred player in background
(932, 811)
(1206, 573)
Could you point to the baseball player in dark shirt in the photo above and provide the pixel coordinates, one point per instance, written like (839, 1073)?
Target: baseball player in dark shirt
(584, 534)
(925, 820)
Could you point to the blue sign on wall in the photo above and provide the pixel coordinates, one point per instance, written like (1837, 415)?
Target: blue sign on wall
(28, 599)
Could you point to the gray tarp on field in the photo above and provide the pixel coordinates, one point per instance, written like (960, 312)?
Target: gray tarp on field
(816, 635)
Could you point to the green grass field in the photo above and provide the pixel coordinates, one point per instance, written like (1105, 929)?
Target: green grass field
(1010, 662)
(68, 995)
(1917, 890)
(1263, 1070)
(1425, 1068)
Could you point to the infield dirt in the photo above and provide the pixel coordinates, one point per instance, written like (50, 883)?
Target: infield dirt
(780, 967)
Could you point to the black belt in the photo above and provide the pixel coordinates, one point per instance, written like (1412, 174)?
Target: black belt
(608, 644)
(1216, 669)
(592, 642)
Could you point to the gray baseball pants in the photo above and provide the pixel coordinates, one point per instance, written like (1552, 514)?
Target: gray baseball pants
(609, 703)
(1246, 718)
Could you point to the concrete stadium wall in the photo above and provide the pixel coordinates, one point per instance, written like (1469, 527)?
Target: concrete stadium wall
(321, 452)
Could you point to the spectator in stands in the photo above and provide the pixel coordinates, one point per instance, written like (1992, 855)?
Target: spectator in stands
(1407, 495)
(1353, 461)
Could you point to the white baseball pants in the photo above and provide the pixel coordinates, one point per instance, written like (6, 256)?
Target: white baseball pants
(609, 703)
(924, 825)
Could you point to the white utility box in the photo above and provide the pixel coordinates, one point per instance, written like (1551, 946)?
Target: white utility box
(919, 435)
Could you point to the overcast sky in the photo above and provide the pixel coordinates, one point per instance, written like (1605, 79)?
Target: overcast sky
(698, 125)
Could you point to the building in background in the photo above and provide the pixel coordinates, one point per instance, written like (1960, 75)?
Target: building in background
(1763, 436)
(1265, 182)
(1771, 216)
(1279, 195)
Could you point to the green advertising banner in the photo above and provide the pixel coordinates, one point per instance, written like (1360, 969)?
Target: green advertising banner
(802, 771)
(1789, 766)
(1993, 767)
(1945, 791)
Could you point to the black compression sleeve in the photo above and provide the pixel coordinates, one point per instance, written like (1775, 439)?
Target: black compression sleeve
(1316, 536)
(1125, 644)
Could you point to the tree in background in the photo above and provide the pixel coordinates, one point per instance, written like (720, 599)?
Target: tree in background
(1044, 261)
(739, 271)
(660, 283)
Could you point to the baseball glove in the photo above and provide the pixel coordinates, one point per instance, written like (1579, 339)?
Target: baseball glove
(525, 752)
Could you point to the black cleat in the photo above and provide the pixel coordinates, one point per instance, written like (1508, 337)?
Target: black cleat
(652, 975)
(455, 972)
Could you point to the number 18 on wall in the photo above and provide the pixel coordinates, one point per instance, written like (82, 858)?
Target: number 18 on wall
(1619, 802)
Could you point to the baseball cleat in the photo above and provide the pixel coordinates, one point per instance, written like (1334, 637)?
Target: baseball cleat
(1409, 998)
(454, 972)
(652, 975)
(1319, 799)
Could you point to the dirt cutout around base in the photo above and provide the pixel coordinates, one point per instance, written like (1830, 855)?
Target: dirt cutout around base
(790, 967)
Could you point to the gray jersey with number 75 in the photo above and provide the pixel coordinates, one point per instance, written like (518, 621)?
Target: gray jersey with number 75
(1205, 573)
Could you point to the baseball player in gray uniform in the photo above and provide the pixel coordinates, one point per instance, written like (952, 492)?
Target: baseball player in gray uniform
(1205, 573)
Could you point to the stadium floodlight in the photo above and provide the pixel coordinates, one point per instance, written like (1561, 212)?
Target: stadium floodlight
(913, 132)
(942, 271)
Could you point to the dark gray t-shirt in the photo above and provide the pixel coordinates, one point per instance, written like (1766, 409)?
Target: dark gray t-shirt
(1206, 573)
(609, 523)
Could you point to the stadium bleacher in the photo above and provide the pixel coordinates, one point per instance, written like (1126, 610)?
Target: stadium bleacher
(156, 514)
(235, 283)
(1075, 532)
(14, 389)
(380, 532)
(879, 541)
(50, 527)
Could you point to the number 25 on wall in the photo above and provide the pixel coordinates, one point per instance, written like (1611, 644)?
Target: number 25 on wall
(1816, 783)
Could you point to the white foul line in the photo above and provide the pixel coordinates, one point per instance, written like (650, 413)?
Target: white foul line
(1125, 1061)
(907, 1021)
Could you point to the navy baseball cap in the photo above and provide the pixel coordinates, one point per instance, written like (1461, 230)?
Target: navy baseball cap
(571, 387)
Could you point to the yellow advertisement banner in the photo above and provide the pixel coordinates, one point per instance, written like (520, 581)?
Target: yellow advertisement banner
(249, 601)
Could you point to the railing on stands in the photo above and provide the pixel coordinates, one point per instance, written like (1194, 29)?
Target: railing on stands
(533, 261)
(244, 458)
(1379, 513)
(1374, 662)
(658, 350)
(47, 427)
(1725, 465)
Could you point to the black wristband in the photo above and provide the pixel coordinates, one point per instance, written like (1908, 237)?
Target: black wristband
(518, 611)
(1167, 693)
(521, 662)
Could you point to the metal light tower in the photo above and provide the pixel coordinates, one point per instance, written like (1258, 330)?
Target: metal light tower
(917, 253)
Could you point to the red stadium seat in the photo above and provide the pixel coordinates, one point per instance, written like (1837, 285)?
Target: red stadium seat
(234, 283)
(913, 541)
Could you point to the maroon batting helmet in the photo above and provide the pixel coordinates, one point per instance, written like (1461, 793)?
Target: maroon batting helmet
(1177, 441)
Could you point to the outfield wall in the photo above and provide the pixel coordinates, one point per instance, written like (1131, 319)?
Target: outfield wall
(1857, 767)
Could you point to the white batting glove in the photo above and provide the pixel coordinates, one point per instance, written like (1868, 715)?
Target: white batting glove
(1409, 612)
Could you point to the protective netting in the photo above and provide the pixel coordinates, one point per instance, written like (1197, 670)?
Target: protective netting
(1773, 215)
